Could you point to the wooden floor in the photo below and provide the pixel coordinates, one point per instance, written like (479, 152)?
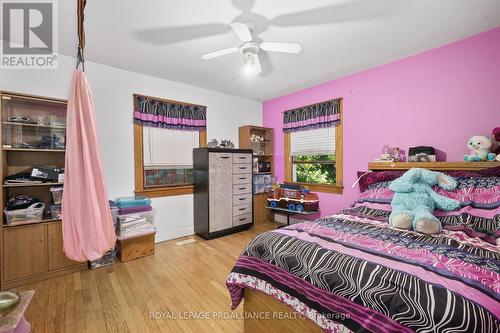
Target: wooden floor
(178, 282)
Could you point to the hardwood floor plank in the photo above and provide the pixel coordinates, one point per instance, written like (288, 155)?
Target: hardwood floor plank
(179, 281)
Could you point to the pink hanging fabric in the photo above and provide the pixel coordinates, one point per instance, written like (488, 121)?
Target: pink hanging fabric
(88, 230)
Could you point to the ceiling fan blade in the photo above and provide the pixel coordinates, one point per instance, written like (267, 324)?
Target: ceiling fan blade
(281, 47)
(242, 31)
(219, 53)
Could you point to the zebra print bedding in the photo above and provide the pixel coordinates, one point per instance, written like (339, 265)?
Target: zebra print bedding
(353, 273)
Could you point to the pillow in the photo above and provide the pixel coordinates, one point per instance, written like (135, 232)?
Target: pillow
(371, 178)
(367, 179)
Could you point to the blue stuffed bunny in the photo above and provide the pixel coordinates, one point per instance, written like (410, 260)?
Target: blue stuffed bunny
(414, 200)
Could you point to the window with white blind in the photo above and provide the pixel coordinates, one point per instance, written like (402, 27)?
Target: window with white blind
(314, 158)
(168, 156)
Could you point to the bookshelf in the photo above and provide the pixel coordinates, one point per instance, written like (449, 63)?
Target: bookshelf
(33, 134)
(263, 151)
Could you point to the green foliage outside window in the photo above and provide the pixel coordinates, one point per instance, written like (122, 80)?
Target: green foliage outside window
(317, 169)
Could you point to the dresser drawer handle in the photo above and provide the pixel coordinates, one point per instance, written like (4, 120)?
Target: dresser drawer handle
(243, 158)
(225, 157)
(241, 188)
(242, 209)
(242, 168)
(243, 219)
(242, 178)
(241, 199)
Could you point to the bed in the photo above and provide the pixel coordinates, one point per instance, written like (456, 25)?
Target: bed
(351, 272)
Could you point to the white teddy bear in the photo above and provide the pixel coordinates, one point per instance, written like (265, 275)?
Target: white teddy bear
(479, 146)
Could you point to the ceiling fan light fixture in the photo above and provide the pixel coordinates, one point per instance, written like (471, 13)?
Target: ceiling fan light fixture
(249, 61)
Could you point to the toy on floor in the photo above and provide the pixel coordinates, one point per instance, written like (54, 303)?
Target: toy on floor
(414, 200)
(479, 146)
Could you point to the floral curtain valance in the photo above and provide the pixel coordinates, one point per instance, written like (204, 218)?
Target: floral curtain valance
(324, 114)
(153, 112)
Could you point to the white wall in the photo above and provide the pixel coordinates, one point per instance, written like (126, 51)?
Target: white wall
(112, 90)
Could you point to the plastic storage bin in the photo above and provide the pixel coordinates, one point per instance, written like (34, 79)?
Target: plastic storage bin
(107, 259)
(55, 211)
(57, 193)
(33, 213)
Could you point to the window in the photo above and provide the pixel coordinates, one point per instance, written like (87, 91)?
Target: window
(166, 160)
(164, 154)
(168, 157)
(314, 158)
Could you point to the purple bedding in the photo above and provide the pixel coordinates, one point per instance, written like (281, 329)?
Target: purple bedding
(351, 272)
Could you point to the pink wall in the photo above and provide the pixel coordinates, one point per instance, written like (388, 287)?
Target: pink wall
(437, 98)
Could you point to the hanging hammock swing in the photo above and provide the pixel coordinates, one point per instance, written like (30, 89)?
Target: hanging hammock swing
(88, 231)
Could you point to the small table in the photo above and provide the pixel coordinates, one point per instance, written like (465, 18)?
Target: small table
(290, 212)
(15, 322)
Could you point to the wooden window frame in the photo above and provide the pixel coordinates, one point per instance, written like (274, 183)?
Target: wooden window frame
(336, 188)
(166, 191)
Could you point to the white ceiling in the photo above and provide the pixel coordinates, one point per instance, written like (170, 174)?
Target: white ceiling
(339, 37)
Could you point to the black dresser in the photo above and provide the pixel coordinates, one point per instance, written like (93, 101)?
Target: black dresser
(222, 191)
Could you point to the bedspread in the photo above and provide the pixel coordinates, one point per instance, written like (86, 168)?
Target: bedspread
(352, 273)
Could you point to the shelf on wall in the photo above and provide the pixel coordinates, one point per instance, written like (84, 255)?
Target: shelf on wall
(33, 150)
(438, 166)
(17, 224)
(31, 185)
(33, 125)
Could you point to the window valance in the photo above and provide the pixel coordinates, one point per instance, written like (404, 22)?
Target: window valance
(324, 114)
(155, 112)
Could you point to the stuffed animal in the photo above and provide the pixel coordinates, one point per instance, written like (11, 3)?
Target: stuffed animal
(414, 200)
(479, 146)
(495, 142)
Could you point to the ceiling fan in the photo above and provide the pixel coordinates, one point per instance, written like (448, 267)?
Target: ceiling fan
(250, 49)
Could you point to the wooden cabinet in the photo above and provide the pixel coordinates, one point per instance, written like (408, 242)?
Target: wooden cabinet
(261, 213)
(57, 258)
(34, 252)
(261, 141)
(24, 251)
(32, 133)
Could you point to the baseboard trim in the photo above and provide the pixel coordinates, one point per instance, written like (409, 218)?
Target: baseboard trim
(165, 236)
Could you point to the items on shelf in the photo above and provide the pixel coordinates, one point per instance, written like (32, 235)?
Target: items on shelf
(55, 209)
(479, 146)
(256, 138)
(57, 193)
(135, 217)
(226, 144)
(21, 209)
(263, 183)
(293, 197)
(389, 154)
(36, 175)
(421, 154)
(55, 212)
